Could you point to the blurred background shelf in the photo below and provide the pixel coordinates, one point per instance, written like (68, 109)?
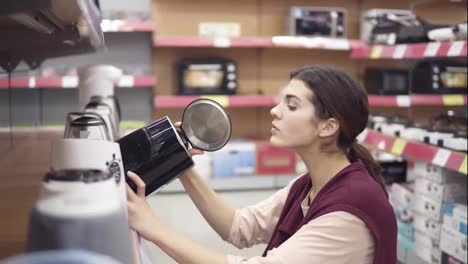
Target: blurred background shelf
(441, 157)
(410, 51)
(72, 82)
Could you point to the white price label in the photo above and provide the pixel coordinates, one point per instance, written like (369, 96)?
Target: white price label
(69, 81)
(432, 49)
(399, 52)
(126, 81)
(222, 42)
(362, 137)
(403, 101)
(441, 157)
(456, 48)
(32, 82)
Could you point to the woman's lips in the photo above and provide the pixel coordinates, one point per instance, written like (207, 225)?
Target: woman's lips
(274, 129)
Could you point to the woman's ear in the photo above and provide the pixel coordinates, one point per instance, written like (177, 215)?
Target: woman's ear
(329, 127)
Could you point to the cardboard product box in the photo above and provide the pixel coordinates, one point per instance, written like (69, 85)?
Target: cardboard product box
(405, 229)
(441, 192)
(453, 243)
(427, 226)
(455, 217)
(237, 158)
(427, 207)
(405, 247)
(272, 160)
(437, 174)
(401, 198)
(427, 248)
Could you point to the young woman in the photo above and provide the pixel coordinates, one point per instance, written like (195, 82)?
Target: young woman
(336, 213)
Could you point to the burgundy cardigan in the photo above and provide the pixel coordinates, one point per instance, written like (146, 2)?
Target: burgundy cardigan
(352, 190)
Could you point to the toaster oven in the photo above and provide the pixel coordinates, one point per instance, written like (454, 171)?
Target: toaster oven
(439, 77)
(207, 76)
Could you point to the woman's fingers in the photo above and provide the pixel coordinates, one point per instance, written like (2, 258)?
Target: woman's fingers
(195, 151)
(131, 195)
(139, 183)
(177, 125)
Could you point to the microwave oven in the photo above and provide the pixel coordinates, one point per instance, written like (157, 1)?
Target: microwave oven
(386, 81)
(439, 77)
(317, 21)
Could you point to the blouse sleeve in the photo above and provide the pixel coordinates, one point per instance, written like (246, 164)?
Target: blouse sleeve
(255, 224)
(337, 237)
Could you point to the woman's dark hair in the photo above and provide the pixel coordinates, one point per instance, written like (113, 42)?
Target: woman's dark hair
(336, 94)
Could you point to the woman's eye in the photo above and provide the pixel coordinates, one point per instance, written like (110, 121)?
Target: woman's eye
(292, 108)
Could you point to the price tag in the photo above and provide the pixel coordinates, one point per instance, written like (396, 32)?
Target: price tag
(376, 52)
(456, 48)
(126, 81)
(399, 52)
(403, 101)
(463, 168)
(362, 137)
(69, 81)
(32, 82)
(453, 99)
(441, 157)
(222, 42)
(220, 99)
(398, 146)
(431, 49)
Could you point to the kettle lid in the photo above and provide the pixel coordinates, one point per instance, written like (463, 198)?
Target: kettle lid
(206, 125)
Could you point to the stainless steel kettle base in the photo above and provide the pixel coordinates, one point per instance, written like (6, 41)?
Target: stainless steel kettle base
(206, 125)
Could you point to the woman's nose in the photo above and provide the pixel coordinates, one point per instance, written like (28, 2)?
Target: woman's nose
(274, 112)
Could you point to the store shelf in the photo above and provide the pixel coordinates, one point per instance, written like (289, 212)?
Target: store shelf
(254, 42)
(117, 25)
(442, 157)
(72, 82)
(224, 100)
(418, 100)
(409, 51)
(257, 100)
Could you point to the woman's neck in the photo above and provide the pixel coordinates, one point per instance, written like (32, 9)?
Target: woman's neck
(322, 167)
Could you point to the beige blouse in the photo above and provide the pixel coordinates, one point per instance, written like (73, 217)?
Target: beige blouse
(337, 237)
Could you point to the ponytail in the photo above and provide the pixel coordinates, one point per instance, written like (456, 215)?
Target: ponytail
(357, 151)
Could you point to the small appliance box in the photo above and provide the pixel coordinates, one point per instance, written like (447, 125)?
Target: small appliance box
(454, 243)
(207, 76)
(427, 248)
(272, 160)
(405, 229)
(237, 158)
(437, 174)
(455, 217)
(401, 198)
(442, 192)
(428, 207)
(427, 226)
(317, 21)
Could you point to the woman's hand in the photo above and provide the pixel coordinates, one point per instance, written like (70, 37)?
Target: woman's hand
(140, 214)
(192, 151)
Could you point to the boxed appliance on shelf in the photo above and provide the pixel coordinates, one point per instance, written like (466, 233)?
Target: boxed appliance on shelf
(386, 81)
(427, 248)
(317, 21)
(453, 243)
(436, 174)
(427, 226)
(439, 76)
(207, 76)
(401, 198)
(427, 207)
(455, 217)
(237, 158)
(448, 192)
(273, 160)
(391, 26)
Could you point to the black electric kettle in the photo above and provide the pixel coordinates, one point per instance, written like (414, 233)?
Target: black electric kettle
(158, 153)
